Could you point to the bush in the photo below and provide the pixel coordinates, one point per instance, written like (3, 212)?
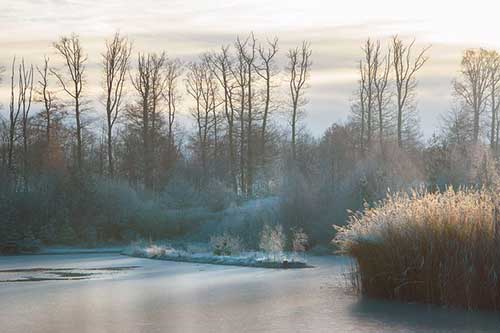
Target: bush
(47, 233)
(441, 248)
(225, 244)
(299, 240)
(67, 235)
(218, 196)
(272, 239)
(180, 194)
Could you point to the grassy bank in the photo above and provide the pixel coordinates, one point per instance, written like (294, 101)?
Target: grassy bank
(441, 248)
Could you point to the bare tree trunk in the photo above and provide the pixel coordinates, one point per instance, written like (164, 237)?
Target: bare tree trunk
(173, 72)
(496, 135)
(25, 93)
(241, 77)
(71, 51)
(221, 66)
(368, 88)
(299, 65)
(115, 64)
(472, 88)
(265, 72)
(494, 64)
(150, 84)
(45, 96)
(381, 81)
(249, 57)
(405, 69)
(14, 111)
(362, 106)
(215, 119)
(200, 84)
(493, 116)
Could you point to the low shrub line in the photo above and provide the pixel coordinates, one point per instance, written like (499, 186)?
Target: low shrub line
(250, 259)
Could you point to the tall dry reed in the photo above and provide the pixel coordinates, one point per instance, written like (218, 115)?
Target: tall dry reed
(441, 248)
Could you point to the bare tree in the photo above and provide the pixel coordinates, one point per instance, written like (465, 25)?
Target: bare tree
(3, 130)
(247, 54)
(14, 112)
(25, 99)
(405, 69)
(381, 69)
(52, 110)
(299, 66)
(150, 84)
(221, 65)
(368, 71)
(4, 142)
(456, 126)
(359, 107)
(239, 72)
(19, 110)
(370, 108)
(70, 49)
(472, 88)
(201, 86)
(172, 96)
(266, 71)
(45, 96)
(494, 68)
(115, 64)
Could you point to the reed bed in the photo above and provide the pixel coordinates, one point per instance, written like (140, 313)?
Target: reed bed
(441, 248)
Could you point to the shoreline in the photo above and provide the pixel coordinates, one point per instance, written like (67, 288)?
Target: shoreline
(245, 259)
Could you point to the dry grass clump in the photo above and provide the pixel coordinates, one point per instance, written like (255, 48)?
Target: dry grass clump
(441, 248)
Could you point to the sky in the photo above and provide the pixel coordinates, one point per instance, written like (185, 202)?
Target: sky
(336, 30)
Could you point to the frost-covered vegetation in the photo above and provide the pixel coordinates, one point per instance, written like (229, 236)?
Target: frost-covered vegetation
(222, 250)
(116, 165)
(74, 171)
(229, 249)
(441, 248)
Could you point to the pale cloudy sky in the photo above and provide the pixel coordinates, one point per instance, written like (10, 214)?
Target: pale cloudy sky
(336, 30)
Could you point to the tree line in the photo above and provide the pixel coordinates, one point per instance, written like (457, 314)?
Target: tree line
(233, 98)
(68, 169)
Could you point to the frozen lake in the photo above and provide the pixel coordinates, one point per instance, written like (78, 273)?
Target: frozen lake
(112, 293)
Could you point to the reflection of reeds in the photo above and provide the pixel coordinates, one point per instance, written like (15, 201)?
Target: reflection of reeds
(427, 247)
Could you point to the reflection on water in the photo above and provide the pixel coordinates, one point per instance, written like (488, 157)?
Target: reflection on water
(141, 295)
(422, 317)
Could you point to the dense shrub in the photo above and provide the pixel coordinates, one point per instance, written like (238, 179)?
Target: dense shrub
(272, 239)
(441, 248)
(225, 244)
(299, 240)
(87, 211)
(218, 196)
(67, 235)
(180, 194)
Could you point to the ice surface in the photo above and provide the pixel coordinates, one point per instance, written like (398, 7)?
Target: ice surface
(165, 296)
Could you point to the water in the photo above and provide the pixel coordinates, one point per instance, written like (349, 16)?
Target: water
(113, 293)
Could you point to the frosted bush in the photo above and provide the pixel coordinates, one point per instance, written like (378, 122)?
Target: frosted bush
(162, 251)
(225, 244)
(272, 239)
(299, 240)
